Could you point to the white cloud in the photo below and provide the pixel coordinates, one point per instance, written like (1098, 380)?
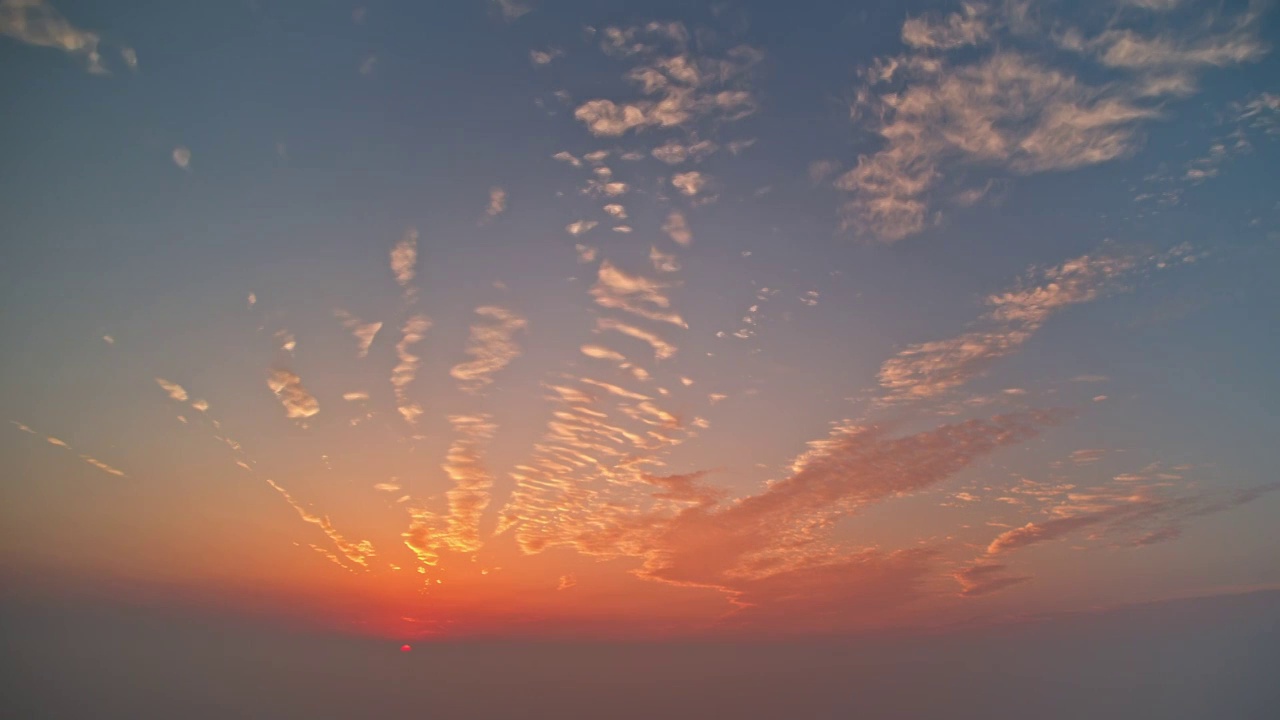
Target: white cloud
(182, 157)
(929, 369)
(675, 87)
(618, 290)
(510, 10)
(586, 253)
(1011, 110)
(174, 390)
(492, 347)
(579, 227)
(661, 348)
(406, 370)
(36, 22)
(297, 402)
(662, 262)
(364, 332)
(497, 202)
(968, 27)
(677, 228)
(689, 183)
(544, 57)
(404, 257)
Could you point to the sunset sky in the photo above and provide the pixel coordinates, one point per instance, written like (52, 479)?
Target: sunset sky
(616, 319)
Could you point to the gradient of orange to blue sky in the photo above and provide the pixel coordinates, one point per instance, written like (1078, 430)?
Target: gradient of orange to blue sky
(639, 320)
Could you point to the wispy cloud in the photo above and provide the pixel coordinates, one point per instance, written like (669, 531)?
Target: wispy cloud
(492, 347)
(544, 57)
(182, 157)
(661, 348)
(364, 332)
(356, 552)
(756, 546)
(579, 227)
(36, 22)
(173, 390)
(929, 369)
(497, 202)
(405, 371)
(57, 442)
(675, 87)
(510, 10)
(1000, 109)
(690, 183)
(646, 298)
(677, 228)
(287, 386)
(404, 258)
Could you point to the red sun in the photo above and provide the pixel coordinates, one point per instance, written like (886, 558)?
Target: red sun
(405, 648)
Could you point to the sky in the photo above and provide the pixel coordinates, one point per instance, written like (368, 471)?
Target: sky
(742, 320)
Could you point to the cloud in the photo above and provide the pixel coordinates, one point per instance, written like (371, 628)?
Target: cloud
(404, 258)
(492, 347)
(544, 57)
(673, 153)
(130, 57)
(969, 27)
(662, 262)
(1154, 5)
(820, 170)
(1144, 506)
(617, 211)
(758, 546)
(298, 403)
(470, 494)
(1130, 50)
(675, 87)
(618, 290)
(929, 369)
(405, 371)
(689, 183)
(567, 157)
(102, 466)
(356, 552)
(497, 202)
(661, 348)
(677, 228)
(996, 109)
(986, 578)
(36, 22)
(684, 488)
(586, 253)
(602, 353)
(174, 390)
(509, 10)
(1032, 533)
(182, 157)
(363, 332)
(566, 582)
(355, 396)
(579, 227)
